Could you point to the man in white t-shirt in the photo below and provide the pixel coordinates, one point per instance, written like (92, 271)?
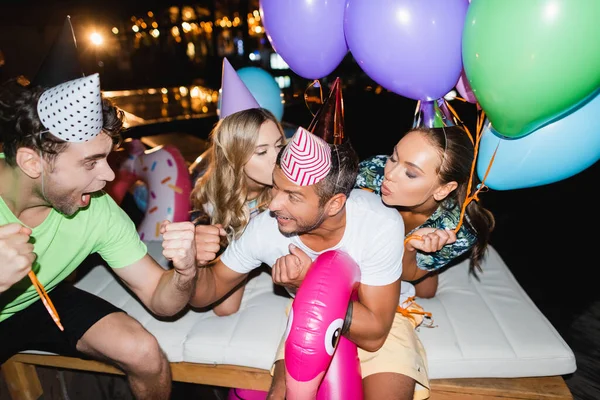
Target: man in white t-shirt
(364, 235)
(315, 209)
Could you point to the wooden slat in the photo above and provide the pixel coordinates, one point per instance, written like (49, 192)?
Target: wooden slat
(22, 381)
(66, 363)
(540, 388)
(205, 374)
(222, 375)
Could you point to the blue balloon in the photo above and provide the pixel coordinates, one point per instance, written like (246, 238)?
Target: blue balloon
(264, 88)
(552, 153)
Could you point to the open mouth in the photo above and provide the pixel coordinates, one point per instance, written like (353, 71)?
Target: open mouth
(85, 199)
(283, 220)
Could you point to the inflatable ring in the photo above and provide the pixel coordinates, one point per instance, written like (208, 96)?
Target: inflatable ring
(321, 363)
(164, 171)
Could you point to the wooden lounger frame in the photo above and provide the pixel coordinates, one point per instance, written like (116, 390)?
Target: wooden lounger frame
(24, 384)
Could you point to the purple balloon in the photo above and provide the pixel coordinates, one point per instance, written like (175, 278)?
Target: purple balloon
(307, 34)
(411, 47)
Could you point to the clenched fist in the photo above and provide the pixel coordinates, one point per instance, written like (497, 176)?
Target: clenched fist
(208, 242)
(178, 246)
(16, 254)
(290, 270)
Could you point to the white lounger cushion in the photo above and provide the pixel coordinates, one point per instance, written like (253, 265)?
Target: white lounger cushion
(486, 328)
(490, 328)
(249, 337)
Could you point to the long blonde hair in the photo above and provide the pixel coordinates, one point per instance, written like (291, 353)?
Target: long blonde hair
(223, 188)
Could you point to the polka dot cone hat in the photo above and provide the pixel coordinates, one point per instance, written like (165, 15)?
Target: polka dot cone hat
(72, 111)
(306, 160)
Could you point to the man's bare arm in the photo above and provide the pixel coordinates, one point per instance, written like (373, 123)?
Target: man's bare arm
(373, 314)
(213, 282)
(164, 292)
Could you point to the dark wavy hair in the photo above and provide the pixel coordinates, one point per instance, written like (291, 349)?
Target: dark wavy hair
(20, 125)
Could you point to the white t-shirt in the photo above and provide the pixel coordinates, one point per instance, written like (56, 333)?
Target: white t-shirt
(373, 237)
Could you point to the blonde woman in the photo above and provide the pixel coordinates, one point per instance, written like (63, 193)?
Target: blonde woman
(236, 185)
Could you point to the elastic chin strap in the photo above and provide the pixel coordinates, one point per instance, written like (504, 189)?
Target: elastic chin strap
(42, 164)
(337, 181)
(427, 194)
(319, 222)
(441, 164)
(43, 192)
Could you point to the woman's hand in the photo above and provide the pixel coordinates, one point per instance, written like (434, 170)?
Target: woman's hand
(430, 240)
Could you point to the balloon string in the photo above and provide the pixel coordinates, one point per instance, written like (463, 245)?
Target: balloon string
(482, 187)
(455, 114)
(313, 83)
(417, 117)
(410, 308)
(474, 196)
(408, 313)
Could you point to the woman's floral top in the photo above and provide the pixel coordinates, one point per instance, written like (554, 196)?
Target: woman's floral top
(370, 177)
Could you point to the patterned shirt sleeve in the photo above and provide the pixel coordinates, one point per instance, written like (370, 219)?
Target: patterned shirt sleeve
(446, 216)
(370, 173)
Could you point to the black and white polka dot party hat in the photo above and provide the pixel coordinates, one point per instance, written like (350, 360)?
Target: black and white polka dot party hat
(72, 111)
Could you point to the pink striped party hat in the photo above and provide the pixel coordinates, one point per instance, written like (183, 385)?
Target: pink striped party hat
(306, 160)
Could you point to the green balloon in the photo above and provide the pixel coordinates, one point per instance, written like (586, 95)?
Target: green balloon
(438, 120)
(530, 62)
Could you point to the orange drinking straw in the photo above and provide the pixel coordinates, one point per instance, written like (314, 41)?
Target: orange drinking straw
(45, 299)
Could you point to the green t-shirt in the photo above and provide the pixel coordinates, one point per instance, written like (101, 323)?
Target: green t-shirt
(61, 243)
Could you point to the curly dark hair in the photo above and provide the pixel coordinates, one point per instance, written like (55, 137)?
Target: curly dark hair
(20, 125)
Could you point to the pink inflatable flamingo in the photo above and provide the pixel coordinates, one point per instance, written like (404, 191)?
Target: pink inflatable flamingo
(320, 363)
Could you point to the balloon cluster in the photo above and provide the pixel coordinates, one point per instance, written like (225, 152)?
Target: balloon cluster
(538, 83)
(533, 68)
(412, 48)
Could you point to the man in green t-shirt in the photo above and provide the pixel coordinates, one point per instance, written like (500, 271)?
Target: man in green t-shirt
(53, 215)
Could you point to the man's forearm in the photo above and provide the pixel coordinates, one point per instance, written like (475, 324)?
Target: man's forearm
(366, 330)
(172, 293)
(410, 271)
(205, 292)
